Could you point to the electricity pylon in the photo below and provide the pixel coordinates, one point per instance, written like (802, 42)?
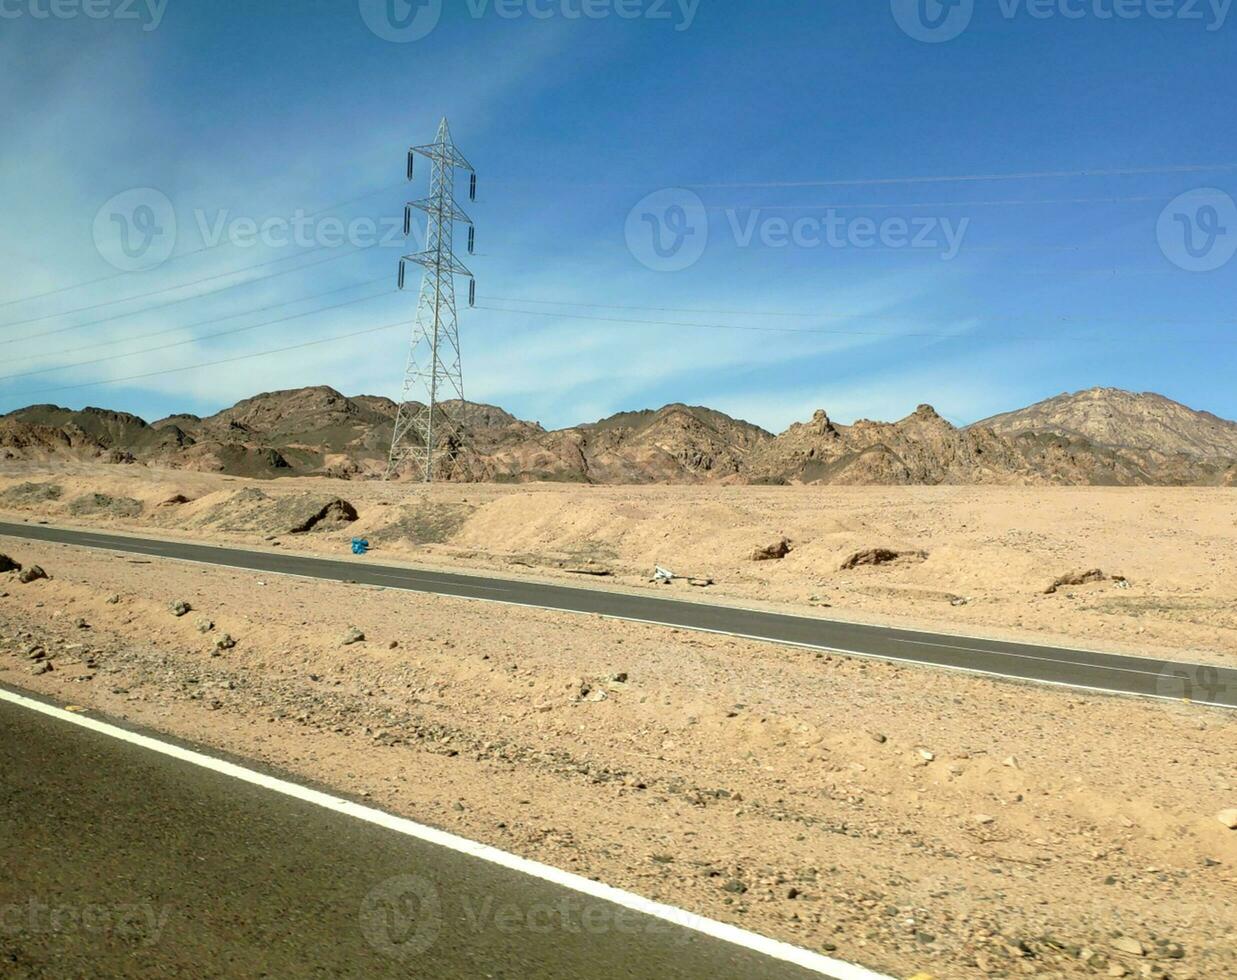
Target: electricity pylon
(433, 369)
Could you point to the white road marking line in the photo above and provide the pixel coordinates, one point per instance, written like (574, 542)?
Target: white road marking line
(434, 584)
(733, 935)
(1027, 656)
(860, 654)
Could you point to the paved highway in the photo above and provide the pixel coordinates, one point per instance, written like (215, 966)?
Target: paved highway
(1111, 673)
(120, 861)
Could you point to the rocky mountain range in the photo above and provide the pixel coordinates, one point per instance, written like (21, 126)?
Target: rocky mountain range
(1124, 420)
(1102, 436)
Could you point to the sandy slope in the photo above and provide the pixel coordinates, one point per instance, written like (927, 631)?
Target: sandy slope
(997, 548)
(741, 780)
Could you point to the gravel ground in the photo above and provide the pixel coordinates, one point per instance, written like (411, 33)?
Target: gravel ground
(908, 819)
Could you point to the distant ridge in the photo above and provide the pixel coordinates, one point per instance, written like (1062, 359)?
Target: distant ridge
(1117, 419)
(1103, 436)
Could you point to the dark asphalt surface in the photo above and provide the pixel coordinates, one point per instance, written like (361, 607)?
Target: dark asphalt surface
(1112, 673)
(121, 862)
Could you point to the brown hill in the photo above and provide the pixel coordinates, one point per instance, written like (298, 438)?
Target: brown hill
(924, 448)
(1119, 419)
(1102, 437)
(676, 444)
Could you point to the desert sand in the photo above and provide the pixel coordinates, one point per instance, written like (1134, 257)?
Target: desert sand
(974, 560)
(908, 819)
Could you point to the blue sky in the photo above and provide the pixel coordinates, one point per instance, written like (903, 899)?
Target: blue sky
(821, 268)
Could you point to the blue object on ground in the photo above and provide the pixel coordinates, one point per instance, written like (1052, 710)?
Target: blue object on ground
(359, 546)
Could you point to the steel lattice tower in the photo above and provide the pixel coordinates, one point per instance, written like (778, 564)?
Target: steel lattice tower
(426, 435)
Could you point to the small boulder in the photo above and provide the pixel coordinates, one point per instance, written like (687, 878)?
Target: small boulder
(205, 625)
(1128, 945)
(881, 556)
(1228, 818)
(773, 552)
(42, 667)
(31, 574)
(113, 599)
(224, 642)
(353, 635)
(1076, 578)
(180, 608)
(7, 564)
(333, 514)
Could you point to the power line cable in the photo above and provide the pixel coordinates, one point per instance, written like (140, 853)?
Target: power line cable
(884, 206)
(834, 316)
(183, 299)
(1125, 339)
(892, 181)
(185, 255)
(202, 323)
(963, 178)
(195, 340)
(165, 289)
(226, 360)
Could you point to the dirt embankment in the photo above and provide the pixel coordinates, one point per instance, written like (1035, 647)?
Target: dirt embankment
(1147, 571)
(908, 819)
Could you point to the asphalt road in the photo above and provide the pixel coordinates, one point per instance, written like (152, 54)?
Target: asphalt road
(1200, 683)
(123, 862)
